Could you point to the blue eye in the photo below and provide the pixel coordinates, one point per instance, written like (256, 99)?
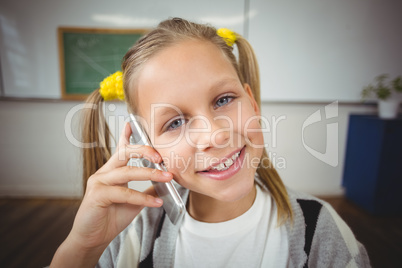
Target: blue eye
(176, 124)
(223, 101)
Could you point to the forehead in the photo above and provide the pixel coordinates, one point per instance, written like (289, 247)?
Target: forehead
(182, 73)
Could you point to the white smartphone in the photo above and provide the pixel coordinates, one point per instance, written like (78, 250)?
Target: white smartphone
(172, 202)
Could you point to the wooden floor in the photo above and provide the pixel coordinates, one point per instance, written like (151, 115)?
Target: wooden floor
(32, 229)
(382, 236)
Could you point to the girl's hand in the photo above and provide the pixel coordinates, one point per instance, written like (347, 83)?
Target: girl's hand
(109, 206)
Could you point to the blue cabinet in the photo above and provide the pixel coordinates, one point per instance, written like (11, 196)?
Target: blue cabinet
(373, 164)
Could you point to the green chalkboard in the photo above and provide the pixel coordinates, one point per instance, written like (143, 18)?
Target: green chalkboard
(87, 56)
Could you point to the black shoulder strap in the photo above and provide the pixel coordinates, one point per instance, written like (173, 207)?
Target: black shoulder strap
(148, 262)
(311, 210)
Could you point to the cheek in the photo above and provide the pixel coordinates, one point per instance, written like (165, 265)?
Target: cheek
(253, 132)
(178, 158)
(167, 140)
(178, 164)
(250, 126)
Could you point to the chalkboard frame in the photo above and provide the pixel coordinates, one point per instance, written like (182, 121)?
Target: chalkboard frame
(61, 30)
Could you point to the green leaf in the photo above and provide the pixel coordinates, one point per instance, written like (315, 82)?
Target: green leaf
(397, 84)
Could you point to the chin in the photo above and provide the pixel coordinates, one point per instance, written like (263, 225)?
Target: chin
(236, 192)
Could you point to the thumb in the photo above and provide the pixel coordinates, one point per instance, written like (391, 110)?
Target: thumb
(125, 135)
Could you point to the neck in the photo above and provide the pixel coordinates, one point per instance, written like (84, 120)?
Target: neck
(207, 209)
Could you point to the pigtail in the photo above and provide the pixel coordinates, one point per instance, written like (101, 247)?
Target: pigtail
(95, 136)
(248, 67)
(270, 177)
(250, 74)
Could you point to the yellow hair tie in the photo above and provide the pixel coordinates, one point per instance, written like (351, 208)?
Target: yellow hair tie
(112, 87)
(228, 35)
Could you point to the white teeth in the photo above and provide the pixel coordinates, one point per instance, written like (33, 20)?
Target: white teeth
(227, 164)
(236, 155)
(222, 166)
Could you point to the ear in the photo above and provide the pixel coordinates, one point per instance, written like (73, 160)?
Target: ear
(253, 102)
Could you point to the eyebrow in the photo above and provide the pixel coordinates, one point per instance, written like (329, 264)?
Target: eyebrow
(165, 112)
(224, 82)
(161, 111)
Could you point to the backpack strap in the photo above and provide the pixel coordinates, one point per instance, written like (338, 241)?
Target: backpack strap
(149, 260)
(311, 210)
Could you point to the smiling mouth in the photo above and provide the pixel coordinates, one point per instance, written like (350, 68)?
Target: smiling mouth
(225, 164)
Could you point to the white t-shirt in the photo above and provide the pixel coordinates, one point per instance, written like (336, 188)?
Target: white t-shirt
(250, 240)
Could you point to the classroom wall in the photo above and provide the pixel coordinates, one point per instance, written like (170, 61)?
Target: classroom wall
(324, 50)
(309, 50)
(29, 55)
(37, 158)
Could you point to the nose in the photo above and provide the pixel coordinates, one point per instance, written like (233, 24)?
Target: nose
(210, 132)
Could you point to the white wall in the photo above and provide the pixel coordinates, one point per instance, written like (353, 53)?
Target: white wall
(29, 56)
(321, 50)
(310, 50)
(37, 158)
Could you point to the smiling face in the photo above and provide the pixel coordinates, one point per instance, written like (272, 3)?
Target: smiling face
(204, 121)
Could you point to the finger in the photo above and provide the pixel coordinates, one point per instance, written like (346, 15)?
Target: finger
(122, 195)
(124, 142)
(151, 191)
(124, 138)
(138, 151)
(126, 174)
(123, 154)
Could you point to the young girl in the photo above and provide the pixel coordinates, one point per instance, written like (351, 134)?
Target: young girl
(201, 107)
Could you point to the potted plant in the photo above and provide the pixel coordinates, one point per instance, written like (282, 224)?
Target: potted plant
(397, 84)
(388, 104)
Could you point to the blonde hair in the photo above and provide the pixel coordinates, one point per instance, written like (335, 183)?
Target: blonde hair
(168, 33)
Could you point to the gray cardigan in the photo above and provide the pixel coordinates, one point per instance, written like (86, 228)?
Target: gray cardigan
(318, 237)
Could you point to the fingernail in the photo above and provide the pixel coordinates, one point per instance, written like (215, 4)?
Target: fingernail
(166, 174)
(158, 200)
